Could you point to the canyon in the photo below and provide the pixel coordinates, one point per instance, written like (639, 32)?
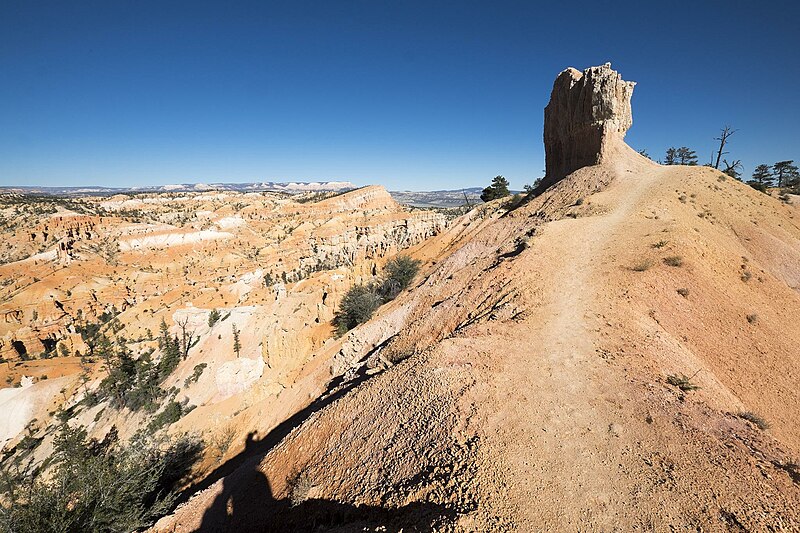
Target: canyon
(607, 353)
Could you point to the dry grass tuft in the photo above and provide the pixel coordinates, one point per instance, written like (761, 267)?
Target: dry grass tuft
(759, 422)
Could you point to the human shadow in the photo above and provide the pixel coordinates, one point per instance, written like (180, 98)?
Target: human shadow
(246, 503)
(336, 389)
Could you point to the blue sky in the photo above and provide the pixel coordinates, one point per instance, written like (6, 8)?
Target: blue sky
(411, 95)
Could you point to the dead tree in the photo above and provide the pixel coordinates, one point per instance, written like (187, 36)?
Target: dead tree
(726, 132)
(733, 169)
(187, 336)
(466, 200)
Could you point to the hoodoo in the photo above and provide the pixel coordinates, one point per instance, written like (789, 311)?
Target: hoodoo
(585, 120)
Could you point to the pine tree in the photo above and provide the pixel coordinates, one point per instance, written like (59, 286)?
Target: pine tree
(163, 334)
(498, 189)
(787, 173)
(686, 156)
(236, 344)
(671, 157)
(213, 317)
(762, 178)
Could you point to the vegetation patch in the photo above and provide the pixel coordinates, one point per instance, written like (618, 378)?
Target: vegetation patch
(96, 486)
(673, 261)
(758, 421)
(363, 299)
(196, 373)
(213, 317)
(682, 381)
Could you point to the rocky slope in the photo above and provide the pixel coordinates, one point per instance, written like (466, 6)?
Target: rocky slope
(273, 267)
(591, 361)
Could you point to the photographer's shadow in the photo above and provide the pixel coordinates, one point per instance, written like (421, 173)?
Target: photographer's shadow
(246, 503)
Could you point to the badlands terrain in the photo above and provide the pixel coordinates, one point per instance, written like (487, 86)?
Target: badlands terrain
(274, 267)
(615, 352)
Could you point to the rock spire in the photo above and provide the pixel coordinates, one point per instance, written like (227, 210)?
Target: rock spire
(588, 115)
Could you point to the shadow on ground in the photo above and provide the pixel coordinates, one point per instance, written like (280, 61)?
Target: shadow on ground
(247, 503)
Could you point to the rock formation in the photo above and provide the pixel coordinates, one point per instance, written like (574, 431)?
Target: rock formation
(588, 114)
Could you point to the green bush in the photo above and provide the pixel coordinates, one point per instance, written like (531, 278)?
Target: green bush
(398, 274)
(362, 300)
(96, 486)
(358, 305)
(213, 317)
(172, 413)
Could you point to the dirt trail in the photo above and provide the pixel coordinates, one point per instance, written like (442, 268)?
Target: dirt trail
(553, 393)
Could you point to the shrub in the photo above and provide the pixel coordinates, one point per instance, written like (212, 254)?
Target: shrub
(97, 486)
(362, 300)
(196, 373)
(171, 414)
(659, 244)
(759, 422)
(398, 274)
(357, 306)
(752, 318)
(213, 317)
(683, 382)
(673, 260)
(641, 266)
(684, 292)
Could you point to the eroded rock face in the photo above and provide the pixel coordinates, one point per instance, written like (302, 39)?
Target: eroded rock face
(588, 113)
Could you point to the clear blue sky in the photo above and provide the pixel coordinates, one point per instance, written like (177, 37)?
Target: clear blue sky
(411, 95)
